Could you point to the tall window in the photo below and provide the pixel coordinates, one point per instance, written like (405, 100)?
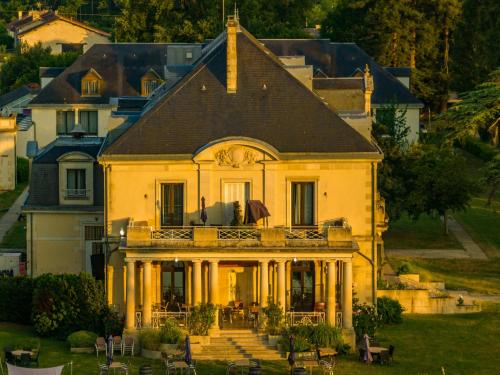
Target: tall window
(88, 120)
(148, 86)
(302, 203)
(76, 185)
(172, 209)
(65, 122)
(90, 87)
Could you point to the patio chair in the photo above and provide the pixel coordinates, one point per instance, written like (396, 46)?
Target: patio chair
(326, 367)
(103, 369)
(100, 345)
(35, 354)
(128, 346)
(231, 367)
(123, 369)
(192, 368)
(117, 344)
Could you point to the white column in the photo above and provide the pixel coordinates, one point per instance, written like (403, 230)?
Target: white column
(196, 282)
(109, 283)
(254, 284)
(347, 303)
(189, 289)
(141, 285)
(130, 317)
(281, 294)
(264, 283)
(147, 300)
(214, 289)
(330, 292)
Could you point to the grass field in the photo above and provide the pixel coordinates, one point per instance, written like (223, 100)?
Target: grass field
(462, 344)
(425, 233)
(9, 197)
(477, 276)
(15, 238)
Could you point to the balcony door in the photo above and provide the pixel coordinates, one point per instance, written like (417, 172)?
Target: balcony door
(302, 203)
(172, 205)
(235, 191)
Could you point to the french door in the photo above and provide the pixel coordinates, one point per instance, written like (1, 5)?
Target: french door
(172, 205)
(302, 203)
(235, 192)
(303, 286)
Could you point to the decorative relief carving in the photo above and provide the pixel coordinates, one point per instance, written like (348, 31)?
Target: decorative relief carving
(235, 157)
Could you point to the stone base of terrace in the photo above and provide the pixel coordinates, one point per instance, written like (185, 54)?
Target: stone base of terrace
(306, 271)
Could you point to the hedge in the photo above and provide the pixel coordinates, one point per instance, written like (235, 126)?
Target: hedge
(479, 149)
(82, 339)
(16, 295)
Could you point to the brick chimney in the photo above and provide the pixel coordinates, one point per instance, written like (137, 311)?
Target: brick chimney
(232, 55)
(368, 78)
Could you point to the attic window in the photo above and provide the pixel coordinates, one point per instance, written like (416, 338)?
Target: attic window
(92, 84)
(150, 82)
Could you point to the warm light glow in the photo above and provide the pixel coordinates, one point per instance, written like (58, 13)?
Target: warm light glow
(122, 232)
(295, 260)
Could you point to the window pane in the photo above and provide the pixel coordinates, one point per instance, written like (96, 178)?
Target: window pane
(65, 121)
(172, 204)
(303, 203)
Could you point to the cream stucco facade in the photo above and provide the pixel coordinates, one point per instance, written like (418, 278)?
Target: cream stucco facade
(7, 153)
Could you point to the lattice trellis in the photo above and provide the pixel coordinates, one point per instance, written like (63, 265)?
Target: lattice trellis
(172, 234)
(304, 234)
(238, 234)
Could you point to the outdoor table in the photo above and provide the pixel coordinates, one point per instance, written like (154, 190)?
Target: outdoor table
(310, 363)
(18, 353)
(114, 366)
(376, 350)
(181, 365)
(327, 352)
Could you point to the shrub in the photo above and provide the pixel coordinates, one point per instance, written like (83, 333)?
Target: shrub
(150, 339)
(67, 303)
(301, 343)
(274, 319)
(16, 295)
(479, 149)
(364, 319)
(404, 268)
(170, 333)
(200, 320)
(23, 170)
(309, 336)
(82, 339)
(389, 310)
(111, 323)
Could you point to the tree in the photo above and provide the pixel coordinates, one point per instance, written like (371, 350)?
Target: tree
(491, 178)
(438, 183)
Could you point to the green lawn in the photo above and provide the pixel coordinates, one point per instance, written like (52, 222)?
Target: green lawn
(15, 238)
(462, 344)
(9, 197)
(425, 233)
(478, 276)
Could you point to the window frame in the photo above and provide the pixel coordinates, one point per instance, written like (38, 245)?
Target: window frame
(160, 218)
(77, 194)
(64, 113)
(88, 112)
(289, 200)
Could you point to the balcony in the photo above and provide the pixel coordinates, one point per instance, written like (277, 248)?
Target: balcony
(76, 193)
(338, 235)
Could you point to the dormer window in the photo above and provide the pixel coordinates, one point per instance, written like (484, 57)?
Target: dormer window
(150, 82)
(76, 179)
(92, 84)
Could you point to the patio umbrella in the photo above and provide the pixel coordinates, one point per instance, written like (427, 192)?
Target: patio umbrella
(367, 358)
(110, 350)
(291, 355)
(187, 356)
(203, 215)
(254, 211)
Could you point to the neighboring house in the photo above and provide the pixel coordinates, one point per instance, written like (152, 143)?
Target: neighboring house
(7, 152)
(237, 127)
(346, 61)
(52, 30)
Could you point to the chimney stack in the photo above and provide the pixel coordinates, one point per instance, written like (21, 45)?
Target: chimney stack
(368, 78)
(232, 58)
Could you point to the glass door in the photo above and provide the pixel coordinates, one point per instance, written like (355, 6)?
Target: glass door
(173, 285)
(172, 205)
(303, 286)
(235, 192)
(302, 203)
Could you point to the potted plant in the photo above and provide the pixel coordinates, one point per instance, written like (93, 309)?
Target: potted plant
(170, 336)
(200, 320)
(274, 323)
(82, 341)
(150, 343)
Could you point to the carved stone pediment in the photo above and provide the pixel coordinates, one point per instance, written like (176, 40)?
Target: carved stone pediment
(235, 156)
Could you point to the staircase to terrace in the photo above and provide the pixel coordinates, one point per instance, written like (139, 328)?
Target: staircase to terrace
(238, 344)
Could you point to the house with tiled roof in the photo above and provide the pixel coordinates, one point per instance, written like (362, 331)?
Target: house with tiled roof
(235, 185)
(60, 33)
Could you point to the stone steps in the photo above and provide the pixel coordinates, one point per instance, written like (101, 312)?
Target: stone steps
(239, 344)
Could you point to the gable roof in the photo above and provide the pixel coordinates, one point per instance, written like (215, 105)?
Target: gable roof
(343, 60)
(121, 67)
(270, 105)
(25, 90)
(29, 23)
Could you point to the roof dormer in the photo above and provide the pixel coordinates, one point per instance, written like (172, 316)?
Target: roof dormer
(150, 82)
(92, 83)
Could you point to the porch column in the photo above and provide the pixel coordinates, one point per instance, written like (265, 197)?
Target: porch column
(141, 285)
(288, 285)
(254, 284)
(124, 286)
(214, 289)
(158, 284)
(147, 304)
(330, 292)
(264, 282)
(347, 303)
(318, 271)
(270, 275)
(109, 283)
(189, 278)
(196, 282)
(281, 295)
(130, 317)
(205, 282)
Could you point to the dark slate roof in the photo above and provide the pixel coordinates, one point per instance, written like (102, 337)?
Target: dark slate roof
(286, 114)
(353, 83)
(401, 71)
(343, 60)
(44, 182)
(50, 71)
(18, 93)
(120, 65)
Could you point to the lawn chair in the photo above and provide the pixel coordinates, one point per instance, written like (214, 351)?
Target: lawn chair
(100, 346)
(123, 369)
(326, 367)
(169, 365)
(35, 354)
(192, 368)
(117, 344)
(103, 369)
(128, 346)
(231, 367)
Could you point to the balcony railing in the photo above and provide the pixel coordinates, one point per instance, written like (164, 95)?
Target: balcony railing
(76, 193)
(332, 235)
